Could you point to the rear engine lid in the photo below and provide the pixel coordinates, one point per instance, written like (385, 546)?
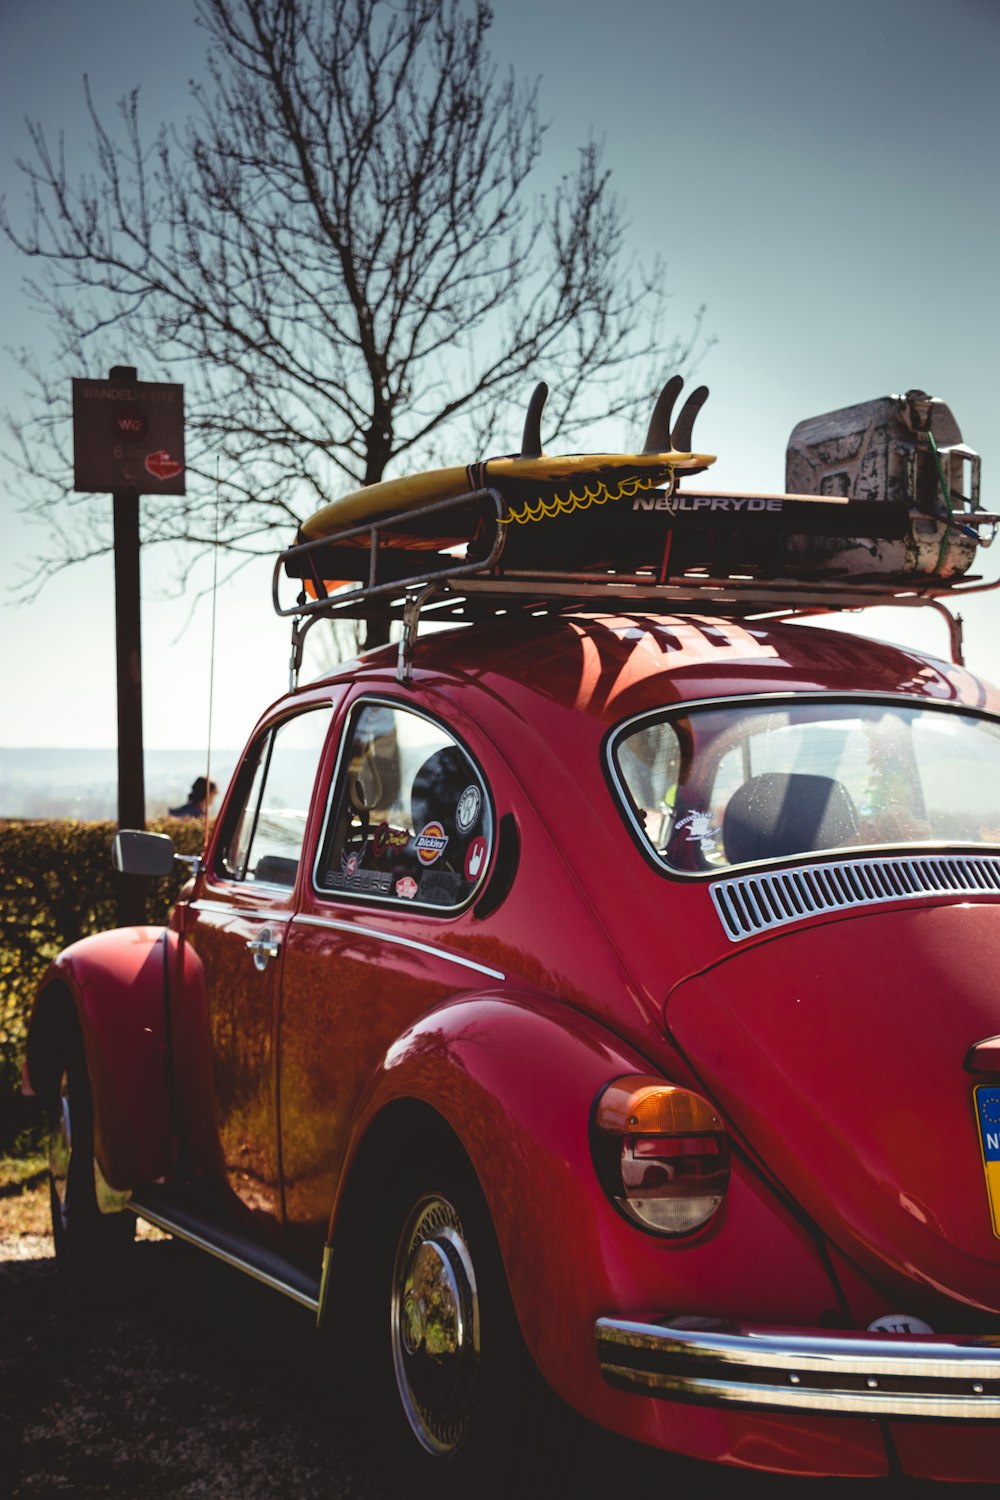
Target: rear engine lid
(839, 1051)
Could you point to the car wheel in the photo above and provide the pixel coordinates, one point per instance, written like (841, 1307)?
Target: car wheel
(456, 1392)
(86, 1241)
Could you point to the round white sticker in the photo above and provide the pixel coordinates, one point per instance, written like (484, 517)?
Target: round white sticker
(468, 807)
(899, 1323)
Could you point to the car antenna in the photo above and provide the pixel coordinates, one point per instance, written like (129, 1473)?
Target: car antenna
(211, 658)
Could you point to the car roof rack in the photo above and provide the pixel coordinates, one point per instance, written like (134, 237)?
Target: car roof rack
(882, 508)
(389, 576)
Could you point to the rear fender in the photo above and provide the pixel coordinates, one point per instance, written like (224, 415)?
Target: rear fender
(115, 982)
(515, 1082)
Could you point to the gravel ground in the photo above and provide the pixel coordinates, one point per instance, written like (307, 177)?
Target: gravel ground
(190, 1381)
(184, 1381)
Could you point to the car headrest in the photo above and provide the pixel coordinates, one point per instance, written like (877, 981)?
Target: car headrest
(365, 783)
(436, 790)
(781, 813)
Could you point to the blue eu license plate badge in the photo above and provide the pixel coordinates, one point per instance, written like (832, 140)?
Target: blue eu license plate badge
(988, 1115)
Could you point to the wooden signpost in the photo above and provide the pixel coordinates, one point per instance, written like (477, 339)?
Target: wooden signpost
(128, 439)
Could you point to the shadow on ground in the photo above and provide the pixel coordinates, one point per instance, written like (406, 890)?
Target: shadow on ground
(188, 1380)
(185, 1380)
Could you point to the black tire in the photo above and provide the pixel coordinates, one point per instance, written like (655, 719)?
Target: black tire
(89, 1244)
(455, 1402)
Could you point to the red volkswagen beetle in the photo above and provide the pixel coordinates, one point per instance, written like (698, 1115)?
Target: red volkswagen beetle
(600, 1008)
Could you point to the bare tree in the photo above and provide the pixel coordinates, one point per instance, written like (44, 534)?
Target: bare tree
(340, 256)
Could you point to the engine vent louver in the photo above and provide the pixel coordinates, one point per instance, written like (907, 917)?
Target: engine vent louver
(750, 904)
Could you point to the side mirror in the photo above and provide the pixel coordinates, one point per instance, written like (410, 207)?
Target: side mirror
(138, 853)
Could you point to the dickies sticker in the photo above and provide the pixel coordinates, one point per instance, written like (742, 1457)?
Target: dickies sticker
(430, 843)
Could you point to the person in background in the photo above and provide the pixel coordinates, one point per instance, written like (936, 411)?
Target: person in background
(200, 798)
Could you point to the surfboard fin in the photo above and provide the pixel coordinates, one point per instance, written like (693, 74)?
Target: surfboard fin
(660, 438)
(685, 422)
(531, 442)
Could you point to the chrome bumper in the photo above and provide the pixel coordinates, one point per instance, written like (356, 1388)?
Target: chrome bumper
(780, 1370)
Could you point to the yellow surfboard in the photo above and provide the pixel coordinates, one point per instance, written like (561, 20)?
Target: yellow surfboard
(534, 487)
(565, 483)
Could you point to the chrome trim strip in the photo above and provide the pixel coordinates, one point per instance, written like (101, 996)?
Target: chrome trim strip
(162, 1222)
(403, 942)
(324, 1286)
(751, 904)
(799, 697)
(849, 1374)
(219, 908)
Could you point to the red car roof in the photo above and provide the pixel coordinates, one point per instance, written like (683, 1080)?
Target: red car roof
(612, 666)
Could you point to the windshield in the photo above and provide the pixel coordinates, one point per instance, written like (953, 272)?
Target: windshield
(735, 785)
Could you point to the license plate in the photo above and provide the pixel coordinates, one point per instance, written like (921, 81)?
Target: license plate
(987, 1100)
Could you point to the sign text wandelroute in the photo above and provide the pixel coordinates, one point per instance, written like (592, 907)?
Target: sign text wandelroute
(128, 435)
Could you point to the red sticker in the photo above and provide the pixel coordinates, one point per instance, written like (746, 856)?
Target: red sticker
(475, 859)
(387, 838)
(351, 865)
(161, 465)
(407, 887)
(430, 843)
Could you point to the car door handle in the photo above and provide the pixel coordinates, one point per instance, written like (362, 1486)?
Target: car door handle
(264, 946)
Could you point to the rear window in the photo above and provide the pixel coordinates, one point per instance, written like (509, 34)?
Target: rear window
(744, 783)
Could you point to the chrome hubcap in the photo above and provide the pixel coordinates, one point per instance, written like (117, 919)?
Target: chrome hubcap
(61, 1149)
(435, 1325)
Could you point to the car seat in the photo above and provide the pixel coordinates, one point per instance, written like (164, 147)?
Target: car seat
(783, 813)
(434, 798)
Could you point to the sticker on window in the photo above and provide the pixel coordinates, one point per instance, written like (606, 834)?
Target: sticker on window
(701, 828)
(407, 888)
(430, 843)
(467, 810)
(386, 839)
(373, 882)
(475, 859)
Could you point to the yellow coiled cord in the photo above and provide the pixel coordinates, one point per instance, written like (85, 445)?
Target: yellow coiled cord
(547, 510)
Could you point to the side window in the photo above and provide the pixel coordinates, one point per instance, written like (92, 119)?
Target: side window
(650, 764)
(410, 820)
(263, 839)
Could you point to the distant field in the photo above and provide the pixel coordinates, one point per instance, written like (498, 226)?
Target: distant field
(41, 782)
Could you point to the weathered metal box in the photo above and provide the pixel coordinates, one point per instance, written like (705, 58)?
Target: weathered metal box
(900, 450)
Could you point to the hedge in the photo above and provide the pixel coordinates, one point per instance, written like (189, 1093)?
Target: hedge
(57, 884)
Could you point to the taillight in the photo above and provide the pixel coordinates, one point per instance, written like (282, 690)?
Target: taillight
(661, 1154)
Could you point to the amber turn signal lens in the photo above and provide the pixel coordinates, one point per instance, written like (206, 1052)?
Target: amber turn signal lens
(648, 1106)
(661, 1154)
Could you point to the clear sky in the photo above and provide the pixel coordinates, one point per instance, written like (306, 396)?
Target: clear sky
(822, 176)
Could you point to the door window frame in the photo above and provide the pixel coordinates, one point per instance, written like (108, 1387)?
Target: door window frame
(351, 712)
(219, 876)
